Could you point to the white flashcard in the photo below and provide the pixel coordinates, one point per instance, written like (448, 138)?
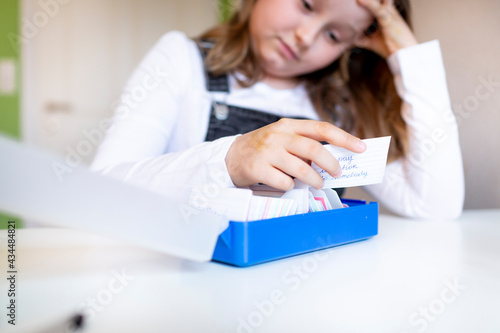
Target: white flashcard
(358, 169)
(333, 198)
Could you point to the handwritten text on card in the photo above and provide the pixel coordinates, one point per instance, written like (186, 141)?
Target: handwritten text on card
(358, 169)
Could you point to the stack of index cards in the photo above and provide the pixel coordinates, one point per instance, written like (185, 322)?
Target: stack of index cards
(261, 202)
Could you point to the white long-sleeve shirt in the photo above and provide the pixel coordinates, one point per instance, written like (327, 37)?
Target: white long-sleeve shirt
(156, 139)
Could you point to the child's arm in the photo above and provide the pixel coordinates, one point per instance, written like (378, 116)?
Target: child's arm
(429, 182)
(161, 98)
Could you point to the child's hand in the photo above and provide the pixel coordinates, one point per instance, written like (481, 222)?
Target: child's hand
(274, 153)
(393, 32)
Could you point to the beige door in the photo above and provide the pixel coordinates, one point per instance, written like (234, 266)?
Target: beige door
(77, 56)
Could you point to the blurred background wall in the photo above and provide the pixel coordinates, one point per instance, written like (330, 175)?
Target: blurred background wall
(469, 35)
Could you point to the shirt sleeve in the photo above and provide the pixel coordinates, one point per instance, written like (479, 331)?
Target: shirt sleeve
(135, 148)
(429, 181)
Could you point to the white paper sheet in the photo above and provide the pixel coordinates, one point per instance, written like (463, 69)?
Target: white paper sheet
(358, 169)
(85, 200)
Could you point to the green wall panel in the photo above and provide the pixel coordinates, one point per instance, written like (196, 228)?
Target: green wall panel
(10, 110)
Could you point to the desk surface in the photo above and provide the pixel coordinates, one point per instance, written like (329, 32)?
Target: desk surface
(415, 276)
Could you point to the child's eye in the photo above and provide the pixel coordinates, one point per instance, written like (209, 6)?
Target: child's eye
(307, 5)
(333, 37)
(371, 29)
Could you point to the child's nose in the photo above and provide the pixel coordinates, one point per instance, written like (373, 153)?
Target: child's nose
(306, 33)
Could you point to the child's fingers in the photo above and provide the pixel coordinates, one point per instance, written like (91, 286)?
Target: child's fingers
(276, 178)
(324, 131)
(395, 31)
(372, 5)
(314, 151)
(296, 167)
(381, 9)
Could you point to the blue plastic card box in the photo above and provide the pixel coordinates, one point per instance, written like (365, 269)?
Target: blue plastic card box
(250, 243)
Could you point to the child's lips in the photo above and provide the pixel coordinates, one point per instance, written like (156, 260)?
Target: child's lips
(288, 51)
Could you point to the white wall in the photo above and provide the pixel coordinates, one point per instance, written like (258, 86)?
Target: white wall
(469, 33)
(78, 56)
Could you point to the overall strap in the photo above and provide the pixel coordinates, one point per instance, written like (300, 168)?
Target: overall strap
(215, 83)
(227, 120)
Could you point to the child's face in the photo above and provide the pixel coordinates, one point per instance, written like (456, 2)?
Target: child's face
(295, 37)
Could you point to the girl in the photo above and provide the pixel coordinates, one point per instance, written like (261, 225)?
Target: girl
(251, 100)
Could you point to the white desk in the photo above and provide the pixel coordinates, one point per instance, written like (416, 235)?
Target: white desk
(398, 281)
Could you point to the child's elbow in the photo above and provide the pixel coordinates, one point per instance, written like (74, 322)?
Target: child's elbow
(449, 209)
(451, 213)
(439, 208)
(453, 207)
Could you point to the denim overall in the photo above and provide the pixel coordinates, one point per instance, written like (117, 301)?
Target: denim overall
(227, 120)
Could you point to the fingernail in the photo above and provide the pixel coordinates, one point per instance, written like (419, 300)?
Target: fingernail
(338, 173)
(361, 145)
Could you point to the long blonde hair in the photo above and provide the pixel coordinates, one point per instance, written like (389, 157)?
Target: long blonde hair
(356, 91)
